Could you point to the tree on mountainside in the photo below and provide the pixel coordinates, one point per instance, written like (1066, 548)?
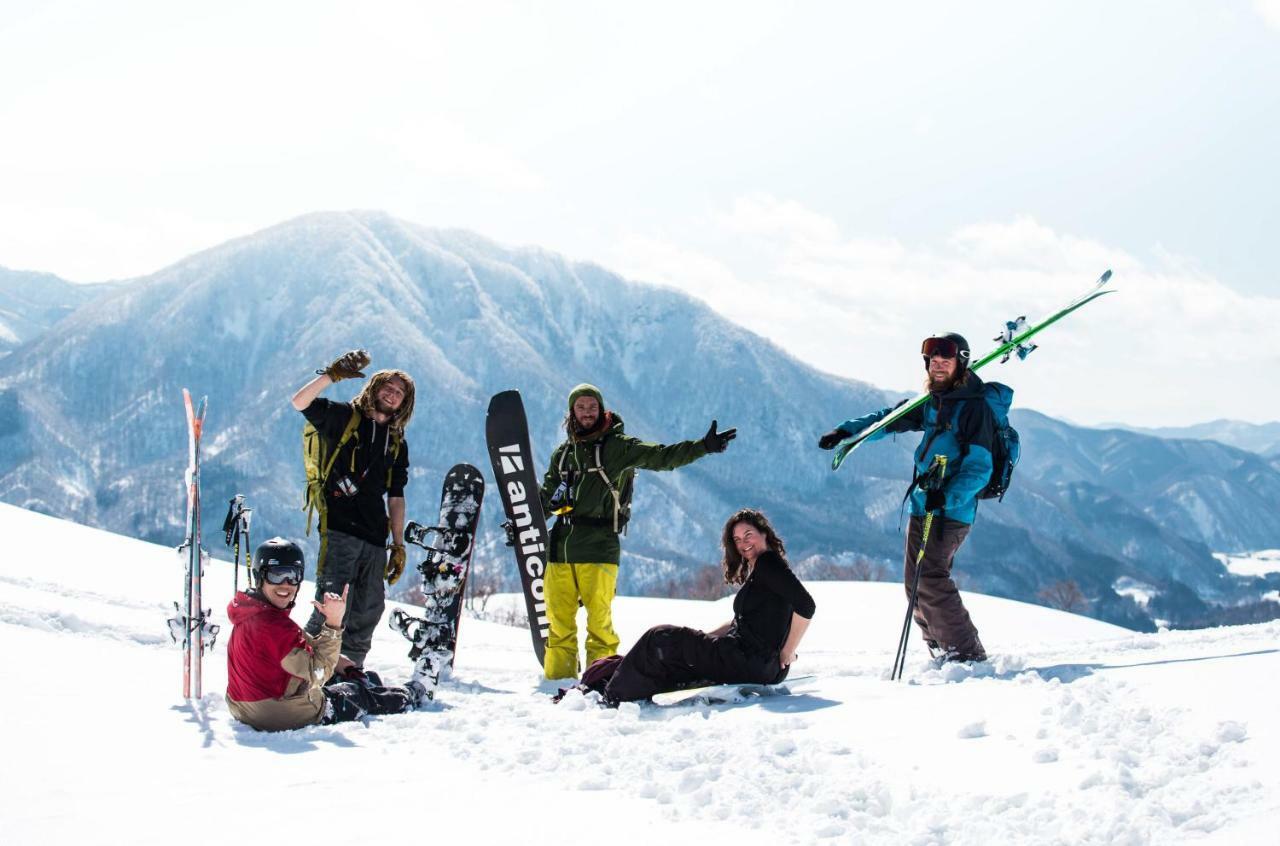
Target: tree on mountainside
(1065, 596)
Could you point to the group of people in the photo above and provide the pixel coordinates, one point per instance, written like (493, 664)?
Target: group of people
(282, 676)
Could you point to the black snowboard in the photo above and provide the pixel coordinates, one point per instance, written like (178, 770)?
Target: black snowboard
(507, 432)
(448, 546)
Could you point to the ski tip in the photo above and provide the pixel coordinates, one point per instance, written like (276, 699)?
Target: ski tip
(1105, 277)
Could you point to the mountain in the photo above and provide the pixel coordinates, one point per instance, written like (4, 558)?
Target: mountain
(32, 302)
(91, 425)
(1262, 438)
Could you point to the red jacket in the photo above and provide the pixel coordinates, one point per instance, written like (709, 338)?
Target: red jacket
(262, 636)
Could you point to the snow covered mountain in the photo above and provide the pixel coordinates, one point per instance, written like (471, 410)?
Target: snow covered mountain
(32, 302)
(1075, 732)
(1262, 438)
(91, 427)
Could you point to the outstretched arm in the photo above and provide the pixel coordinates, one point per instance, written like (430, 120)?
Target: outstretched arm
(308, 392)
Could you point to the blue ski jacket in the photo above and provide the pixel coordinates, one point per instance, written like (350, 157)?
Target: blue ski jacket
(958, 424)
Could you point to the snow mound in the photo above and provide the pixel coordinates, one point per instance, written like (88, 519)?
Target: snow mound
(1074, 732)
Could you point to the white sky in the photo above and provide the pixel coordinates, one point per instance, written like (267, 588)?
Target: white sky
(843, 178)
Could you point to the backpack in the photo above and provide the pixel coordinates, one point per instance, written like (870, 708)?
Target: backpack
(1006, 447)
(318, 459)
(622, 492)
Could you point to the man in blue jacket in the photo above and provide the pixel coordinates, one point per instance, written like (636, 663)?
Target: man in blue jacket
(957, 423)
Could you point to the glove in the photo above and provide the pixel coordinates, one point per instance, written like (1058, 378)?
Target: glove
(935, 500)
(830, 439)
(718, 441)
(395, 563)
(509, 527)
(347, 366)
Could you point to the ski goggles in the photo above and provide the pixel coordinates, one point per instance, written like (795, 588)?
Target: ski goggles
(942, 347)
(283, 574)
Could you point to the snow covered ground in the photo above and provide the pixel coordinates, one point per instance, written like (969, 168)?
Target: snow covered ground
(1251, 563)
(1075, 732)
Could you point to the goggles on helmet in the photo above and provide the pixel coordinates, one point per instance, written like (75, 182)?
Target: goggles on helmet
(943, 347)
(283, 574)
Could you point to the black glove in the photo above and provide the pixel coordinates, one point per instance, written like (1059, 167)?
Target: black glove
(718, 441)
(935, 500)
(830, 439)
(510, 528)
(347, 366)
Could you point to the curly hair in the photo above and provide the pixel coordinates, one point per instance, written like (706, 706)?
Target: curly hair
(366, 400)
(734, 565)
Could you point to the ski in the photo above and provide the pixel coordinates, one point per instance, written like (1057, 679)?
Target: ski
(1013, 339)
(507, 433)
(448, 545)
(191, 624)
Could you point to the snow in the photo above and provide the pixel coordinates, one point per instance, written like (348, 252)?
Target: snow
(1258, 563)
(1075, 732)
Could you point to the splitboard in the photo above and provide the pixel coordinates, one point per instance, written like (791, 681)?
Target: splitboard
(445, 567)
(506, 430)
(725, 694)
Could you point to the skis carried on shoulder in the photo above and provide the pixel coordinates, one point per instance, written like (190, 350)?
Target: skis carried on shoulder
(1013, 340)
(448, 545)
(191, 624)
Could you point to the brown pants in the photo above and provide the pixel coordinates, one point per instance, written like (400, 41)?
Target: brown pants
(940, 613)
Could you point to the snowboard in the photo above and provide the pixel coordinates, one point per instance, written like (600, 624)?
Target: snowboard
(724, 694)
(448, 546)
(507, 432)
(1013, 339)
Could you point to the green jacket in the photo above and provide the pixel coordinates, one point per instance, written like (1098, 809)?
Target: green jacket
(621, 455)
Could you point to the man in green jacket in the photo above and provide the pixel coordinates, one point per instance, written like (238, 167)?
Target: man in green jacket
(588, 489)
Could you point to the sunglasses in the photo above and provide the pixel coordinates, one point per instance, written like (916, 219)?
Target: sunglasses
(283, 574)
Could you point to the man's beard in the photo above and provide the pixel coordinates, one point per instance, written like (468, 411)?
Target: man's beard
(381, 407)
(941, 387)
(579, 429)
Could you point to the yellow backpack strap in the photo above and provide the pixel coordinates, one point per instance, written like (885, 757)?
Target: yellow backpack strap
(314, 501)
(396, 437)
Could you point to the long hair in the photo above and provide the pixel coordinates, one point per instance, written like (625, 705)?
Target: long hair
(734, 565)
(366, 400)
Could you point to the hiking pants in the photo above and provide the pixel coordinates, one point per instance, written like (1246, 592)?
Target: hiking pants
(352, 561)
(940, 613)
(564, 585)
(355, 698)
(672, 657)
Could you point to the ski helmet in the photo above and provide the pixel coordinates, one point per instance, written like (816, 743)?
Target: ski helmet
(949, 344)
(277, 552)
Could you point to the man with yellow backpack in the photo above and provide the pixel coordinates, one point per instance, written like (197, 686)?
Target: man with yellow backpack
(355, 456)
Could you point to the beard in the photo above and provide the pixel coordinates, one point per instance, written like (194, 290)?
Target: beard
(382, 408)
(941, 387)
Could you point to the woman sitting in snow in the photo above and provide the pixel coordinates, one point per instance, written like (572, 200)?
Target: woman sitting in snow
(276, 673)
(770, 615)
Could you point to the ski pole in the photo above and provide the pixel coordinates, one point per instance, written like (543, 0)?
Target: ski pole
(931, 480)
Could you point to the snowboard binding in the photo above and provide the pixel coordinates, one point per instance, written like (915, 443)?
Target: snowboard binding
(1013, 328)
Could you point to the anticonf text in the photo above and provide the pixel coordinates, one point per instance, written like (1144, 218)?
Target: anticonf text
(530, 538)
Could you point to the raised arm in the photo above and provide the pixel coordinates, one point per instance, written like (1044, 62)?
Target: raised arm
(346, 366)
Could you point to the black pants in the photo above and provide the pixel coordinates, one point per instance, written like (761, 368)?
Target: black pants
(672, 657)
(940, 613)
(354, 697)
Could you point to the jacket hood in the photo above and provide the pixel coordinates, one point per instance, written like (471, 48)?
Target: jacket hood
(971, 387)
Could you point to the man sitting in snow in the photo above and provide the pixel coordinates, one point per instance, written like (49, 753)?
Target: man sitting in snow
(276, 673)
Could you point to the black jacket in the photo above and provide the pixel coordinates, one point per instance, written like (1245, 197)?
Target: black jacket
(365, 460)
(763, 607)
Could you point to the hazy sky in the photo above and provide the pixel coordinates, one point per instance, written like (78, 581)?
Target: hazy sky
(843, 178)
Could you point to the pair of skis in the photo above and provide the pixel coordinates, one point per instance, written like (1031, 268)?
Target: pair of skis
(191, 625)
(1014, 339)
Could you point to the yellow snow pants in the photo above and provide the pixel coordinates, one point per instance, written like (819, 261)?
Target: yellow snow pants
(564, 585)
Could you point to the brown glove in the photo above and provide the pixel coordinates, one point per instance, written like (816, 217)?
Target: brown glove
(347, 366)
(395, 563)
